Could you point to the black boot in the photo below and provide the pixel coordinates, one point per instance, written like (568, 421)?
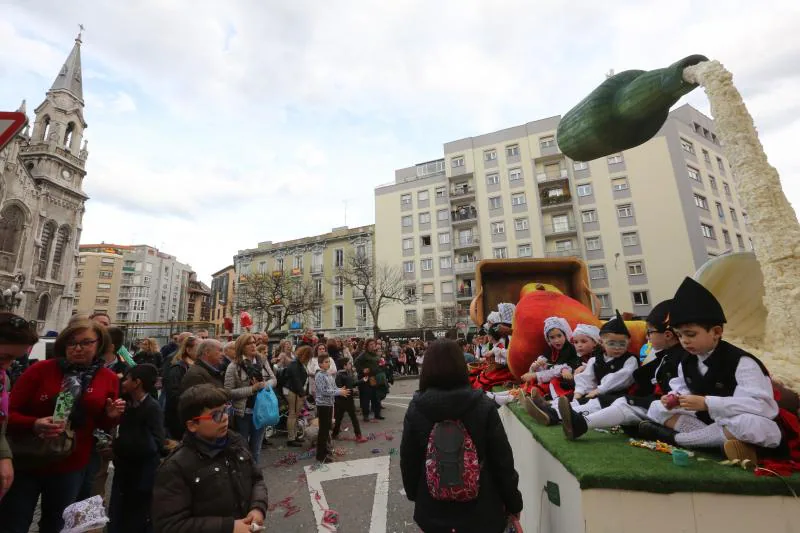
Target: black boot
(572, 422)
(651, 431)
(540, 411)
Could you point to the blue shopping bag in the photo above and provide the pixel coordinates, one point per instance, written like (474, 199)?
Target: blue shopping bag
(265, 410)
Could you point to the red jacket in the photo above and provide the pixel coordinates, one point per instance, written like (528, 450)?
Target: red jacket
(34, 396)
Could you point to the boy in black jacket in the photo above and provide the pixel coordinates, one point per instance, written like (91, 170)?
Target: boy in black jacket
(137, 452)
(346, 377)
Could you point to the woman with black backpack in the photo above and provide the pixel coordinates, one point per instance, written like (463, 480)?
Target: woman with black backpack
(455, 459)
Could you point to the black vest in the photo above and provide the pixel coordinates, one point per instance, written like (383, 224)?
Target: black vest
(602, 369)
(663, 368)
(720, 380)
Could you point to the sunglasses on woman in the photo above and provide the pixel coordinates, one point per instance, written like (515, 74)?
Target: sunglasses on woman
(217, 415)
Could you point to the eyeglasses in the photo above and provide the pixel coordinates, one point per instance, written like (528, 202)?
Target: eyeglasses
(217, 415)
(83, 344)
(616, 344)
(653, 332)
(18, 322)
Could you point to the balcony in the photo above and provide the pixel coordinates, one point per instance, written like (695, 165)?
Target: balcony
(550, 202)
(465, 293)
(297, 271)
(464, 216)
(358, 294)
(465, 267)
(461, 194)
(549, 177)
(558, 230)
(563, 253)
(467, 242)
(128, 269)
(316, 270)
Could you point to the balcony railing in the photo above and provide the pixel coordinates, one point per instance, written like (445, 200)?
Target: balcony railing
(559, 229)
(128, 269)
(466, 242)
(456, 194)
(563, 253)
(464, 293)
(462, 267)
(316, 269)
(297, 271)
(461, 215)
(552, 201)
(544, 177)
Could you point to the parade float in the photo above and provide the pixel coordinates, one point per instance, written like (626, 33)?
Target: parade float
(603, 483)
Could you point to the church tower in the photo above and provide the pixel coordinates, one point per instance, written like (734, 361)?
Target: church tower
(47, 196)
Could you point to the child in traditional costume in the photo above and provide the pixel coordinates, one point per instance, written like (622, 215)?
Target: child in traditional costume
(553, 374)
(722, 395)
(497, 372)
(604, 380)
(652, 380)
(586, 339)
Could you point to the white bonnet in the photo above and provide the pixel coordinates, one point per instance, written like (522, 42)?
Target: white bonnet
(506, 312)
(494, 318)
(556, 322)
(593, 332)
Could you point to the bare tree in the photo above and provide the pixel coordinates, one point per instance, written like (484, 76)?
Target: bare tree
(442, 316)
(378, 284)
(274, 298)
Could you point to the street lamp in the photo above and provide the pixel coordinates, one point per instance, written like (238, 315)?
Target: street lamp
(11, 298)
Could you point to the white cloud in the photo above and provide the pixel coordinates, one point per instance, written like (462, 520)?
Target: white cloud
(217, 125)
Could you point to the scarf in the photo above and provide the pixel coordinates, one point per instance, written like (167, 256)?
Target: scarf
(211, 448)
(76, 380)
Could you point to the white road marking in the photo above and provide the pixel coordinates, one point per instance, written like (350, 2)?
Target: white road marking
(399, 397)
(347, 469)
(404, 406)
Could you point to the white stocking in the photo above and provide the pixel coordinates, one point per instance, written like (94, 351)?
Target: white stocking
(606, 418)
(688, 423)
(708, 437)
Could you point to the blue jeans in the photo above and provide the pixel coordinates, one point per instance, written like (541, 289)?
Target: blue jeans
(57, 490)
(253, 436)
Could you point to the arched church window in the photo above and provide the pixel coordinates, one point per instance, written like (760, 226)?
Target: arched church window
(45, 128)
(58, 257)
(48, 232)
(44, 305)
(68, 134)
(12, 222)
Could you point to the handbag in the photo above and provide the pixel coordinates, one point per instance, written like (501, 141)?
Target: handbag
(30, 451)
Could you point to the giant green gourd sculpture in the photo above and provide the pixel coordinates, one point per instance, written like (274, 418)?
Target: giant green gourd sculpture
(625, 111)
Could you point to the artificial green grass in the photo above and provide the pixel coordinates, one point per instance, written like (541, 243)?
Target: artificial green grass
(606, 461)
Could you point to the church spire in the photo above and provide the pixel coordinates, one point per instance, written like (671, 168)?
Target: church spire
(70, 78)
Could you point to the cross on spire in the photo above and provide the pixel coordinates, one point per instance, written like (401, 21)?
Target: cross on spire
(81, 29)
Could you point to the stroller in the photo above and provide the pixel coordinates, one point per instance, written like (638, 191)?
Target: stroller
(283, 416)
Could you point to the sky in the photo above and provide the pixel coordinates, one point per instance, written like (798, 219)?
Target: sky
(217, 125)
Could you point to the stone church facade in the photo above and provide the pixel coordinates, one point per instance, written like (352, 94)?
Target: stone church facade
(42, 201)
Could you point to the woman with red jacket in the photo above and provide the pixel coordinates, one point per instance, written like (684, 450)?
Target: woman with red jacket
(76, 377)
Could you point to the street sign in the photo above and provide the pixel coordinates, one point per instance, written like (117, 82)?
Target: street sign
(11, 123)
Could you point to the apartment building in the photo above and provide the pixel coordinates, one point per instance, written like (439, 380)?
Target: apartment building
(198, 305)
(641, 219)
(222, 296)
(316, 260)
(98, 278)
(154, 286)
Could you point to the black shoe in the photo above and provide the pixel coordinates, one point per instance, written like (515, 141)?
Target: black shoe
(379, 417)
(540, 412)
(294, 443)
(572, 422)
(651, 431)
(632, 431)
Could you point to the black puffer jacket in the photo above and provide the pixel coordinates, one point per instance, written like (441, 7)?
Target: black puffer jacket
(202, 490)
(498, 496)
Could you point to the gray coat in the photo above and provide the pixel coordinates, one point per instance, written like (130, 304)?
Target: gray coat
(238, 384)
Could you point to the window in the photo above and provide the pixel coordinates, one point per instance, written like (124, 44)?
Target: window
(148, 267)
(630, 238)
(518, 199)
(79, 274)
(495, 202)
(440, 192)
(318, 286)
(641, 298)
(708, 231)
(338, 316)
(457, 161)
(720, 165)
(726, 236)
(585, 190)
(411, 317)
(740, 241)
(524, 250)
(338, 257)
(82, 261)
(447, 287)
(750, 241)
(445, 262)
(426, 264)
(593, 243)
(733, 215)
(744, 217)
(726, 188)
(693, 174)
(624, 211)
(297, 261)
(701, 202)
(515, 174)
(620, 184)
(442, 214)
(520, 224)
(405, 199)
(138, 267)
(597, 272)
(317, 316)
(687, 146)
(411, 291)
(106, 261)
(422, 196)
(563, 246)
(406, 221)
(580, 165)
(444, 238)
(490, 155)
(492, 179)
(713, 182)
(425, 240)
(720, 211)
(408, 244)
(429, 315)
(590, 215)
(498, 228)
(103, 287)
(408, 267)
(500, 253)
(615, 159)
(427, 289)
(424, 218)
(101, 300)
(547, 142)
(78, 287)
(605, 301)
(635, 268)
(338, 286)
(512, 150)
(706, 156)
(106, 274)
